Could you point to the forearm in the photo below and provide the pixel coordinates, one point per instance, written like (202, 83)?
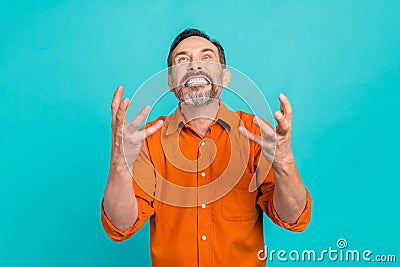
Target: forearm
(290, 194)
(120, 204)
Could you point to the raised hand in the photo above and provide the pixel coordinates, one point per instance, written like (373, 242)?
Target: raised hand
(275, 144)
(119, 203)
(122, 132)
(289, 197)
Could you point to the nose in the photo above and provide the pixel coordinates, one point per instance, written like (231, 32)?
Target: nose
(194, 66)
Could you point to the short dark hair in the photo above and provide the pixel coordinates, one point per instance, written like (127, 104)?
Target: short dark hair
(195, 32)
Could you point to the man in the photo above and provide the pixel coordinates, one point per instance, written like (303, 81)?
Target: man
(193, 169)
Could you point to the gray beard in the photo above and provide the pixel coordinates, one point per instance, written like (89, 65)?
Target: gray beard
(196, 98)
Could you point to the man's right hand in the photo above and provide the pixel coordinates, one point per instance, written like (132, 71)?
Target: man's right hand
(132, 137)
(120, 203)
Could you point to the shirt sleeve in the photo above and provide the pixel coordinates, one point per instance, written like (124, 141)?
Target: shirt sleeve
(143, 185)
(265, 201)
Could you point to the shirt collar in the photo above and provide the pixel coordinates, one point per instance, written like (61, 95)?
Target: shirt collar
(227, 118)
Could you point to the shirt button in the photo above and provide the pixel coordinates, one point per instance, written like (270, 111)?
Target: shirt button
(203, 206)
(203, 174)
(204, 237)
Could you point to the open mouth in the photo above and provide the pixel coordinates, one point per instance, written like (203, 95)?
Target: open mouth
(197, 81)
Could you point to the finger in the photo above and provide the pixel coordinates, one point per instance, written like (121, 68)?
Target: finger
(139, 136)
(283, 123)
(250, 135)
(135, 123)
(286, 107)
(116, 101)
(121, 113)
(265, 127)
(152, 129)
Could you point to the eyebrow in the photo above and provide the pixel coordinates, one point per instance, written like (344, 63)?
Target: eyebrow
(187, 52)
(207, 50)
(181, 53)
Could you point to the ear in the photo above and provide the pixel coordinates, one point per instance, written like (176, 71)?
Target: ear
(170, 84)
(226, 79)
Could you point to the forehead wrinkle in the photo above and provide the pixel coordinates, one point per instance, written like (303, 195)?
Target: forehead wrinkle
(194, 43)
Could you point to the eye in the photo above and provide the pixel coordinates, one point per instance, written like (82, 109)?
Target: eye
(206, 57)
(182, 59)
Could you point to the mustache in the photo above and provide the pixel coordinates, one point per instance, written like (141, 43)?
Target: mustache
(198, 73)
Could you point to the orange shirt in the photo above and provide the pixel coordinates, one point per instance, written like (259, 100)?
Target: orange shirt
(195, 190)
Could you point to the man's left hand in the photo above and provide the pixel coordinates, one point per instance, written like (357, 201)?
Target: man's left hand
(275, 144)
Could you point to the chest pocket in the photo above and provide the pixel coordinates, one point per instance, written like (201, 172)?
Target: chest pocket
(240, 204)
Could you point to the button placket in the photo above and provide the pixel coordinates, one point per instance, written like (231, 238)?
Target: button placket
(204, 212)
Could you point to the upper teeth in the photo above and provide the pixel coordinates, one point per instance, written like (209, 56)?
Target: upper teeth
(197, 81)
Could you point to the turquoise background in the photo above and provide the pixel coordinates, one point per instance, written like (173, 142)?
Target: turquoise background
(60, 61)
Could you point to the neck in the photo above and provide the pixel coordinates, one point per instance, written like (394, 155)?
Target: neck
(200, 117)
